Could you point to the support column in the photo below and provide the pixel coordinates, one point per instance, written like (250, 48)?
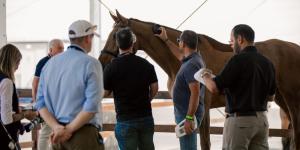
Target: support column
(3, 38)
(95, 18)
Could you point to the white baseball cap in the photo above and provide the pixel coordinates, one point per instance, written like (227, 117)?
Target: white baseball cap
(82, 28)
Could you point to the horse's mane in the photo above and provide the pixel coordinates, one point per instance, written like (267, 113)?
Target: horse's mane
(151, 23)
(216, 44)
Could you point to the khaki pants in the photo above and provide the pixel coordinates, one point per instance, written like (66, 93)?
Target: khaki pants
(86, 138)
(43, 141)
(246, 132)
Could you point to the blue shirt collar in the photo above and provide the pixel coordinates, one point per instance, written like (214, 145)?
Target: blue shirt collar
(189, 57)
(77, 47)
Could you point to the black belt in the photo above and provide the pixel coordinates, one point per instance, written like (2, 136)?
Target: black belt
(240, 114)
(62, 123)
(88, 124)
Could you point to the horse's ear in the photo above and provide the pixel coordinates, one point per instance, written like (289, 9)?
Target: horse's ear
(122, 19)
(115, 18)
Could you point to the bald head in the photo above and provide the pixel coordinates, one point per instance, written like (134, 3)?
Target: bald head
(56, 46)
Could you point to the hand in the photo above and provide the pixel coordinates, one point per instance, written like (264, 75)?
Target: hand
(30, 115)
(60, 135)
(189, 126)
(205, 71)
(66, 136)
(163, 35)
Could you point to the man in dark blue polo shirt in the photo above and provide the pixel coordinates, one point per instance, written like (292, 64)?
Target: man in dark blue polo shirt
(56, 46)
(133, 82)
(188, 94)
(248, 81)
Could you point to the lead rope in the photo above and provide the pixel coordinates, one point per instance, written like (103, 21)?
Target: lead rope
(191, 14)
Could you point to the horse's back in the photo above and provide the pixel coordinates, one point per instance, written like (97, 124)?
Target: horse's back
(286, 59)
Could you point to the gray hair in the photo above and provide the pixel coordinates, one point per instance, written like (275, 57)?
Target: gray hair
(54, 42)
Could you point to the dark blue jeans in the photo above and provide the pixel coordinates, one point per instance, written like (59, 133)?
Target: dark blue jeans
(135, 134)
(188, 142)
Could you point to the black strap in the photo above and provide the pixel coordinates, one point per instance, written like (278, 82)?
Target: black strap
(76, 48)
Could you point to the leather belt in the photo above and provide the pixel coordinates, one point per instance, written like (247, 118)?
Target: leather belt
(240, 114)
(88, 124)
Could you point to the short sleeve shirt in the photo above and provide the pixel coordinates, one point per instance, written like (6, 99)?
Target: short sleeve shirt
(40, 66)
(129, 78)
(185, 76)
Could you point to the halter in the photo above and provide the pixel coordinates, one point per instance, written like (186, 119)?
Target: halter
(115, 54)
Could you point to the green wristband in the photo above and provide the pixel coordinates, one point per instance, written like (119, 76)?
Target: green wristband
(188, 117)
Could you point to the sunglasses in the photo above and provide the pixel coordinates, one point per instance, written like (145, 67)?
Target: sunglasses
(178, 40)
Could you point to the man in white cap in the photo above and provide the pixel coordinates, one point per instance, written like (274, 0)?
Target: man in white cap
(70, 92)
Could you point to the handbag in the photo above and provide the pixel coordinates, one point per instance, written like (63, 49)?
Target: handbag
(12, 144)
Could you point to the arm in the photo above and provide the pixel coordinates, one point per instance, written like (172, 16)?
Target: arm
(153, 90)
(58, 131)
(271, 98)
(35, 84)
(153, 82)
(193, 105)
(7, 114)
(81, 119)
(194, 98)
(172, 46)
(107, 93)
(93, 94)
(225, 79)
(107, 79)
(211, 84)
(49, 118)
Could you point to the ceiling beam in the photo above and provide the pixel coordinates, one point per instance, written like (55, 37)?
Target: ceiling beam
(3, 38)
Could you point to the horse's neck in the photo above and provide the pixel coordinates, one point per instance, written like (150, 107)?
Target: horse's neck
(214, 53)
(211, 50)
(155, 48)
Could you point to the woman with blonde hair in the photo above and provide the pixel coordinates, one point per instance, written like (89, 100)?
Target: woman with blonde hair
(10, 127)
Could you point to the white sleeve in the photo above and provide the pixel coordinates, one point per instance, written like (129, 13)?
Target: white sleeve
(6, 92)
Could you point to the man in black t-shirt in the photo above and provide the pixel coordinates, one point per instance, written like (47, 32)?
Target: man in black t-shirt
(133, 82)
(248, 81)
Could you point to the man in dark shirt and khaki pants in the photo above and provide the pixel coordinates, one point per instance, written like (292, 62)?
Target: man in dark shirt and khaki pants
(248, 81)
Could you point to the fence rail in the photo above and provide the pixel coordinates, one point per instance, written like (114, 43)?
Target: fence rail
(158, 128)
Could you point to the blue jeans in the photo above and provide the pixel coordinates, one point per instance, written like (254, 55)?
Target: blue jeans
(188, 142)
(135, 134)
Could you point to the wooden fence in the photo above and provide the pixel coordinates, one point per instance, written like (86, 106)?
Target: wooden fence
(158, 128)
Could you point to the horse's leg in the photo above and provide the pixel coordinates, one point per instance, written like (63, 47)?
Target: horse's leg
(205, 124)
(170, 84)
(285, 123)
(204, 132)
(292, 101)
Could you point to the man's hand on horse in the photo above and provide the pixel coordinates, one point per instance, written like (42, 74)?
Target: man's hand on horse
(163, 35)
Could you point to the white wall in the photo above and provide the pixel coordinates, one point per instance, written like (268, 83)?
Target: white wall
(2, 22)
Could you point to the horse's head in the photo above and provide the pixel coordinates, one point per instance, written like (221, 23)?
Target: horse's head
(111, 50)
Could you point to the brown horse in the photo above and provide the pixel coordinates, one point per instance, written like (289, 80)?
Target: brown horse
(284, 55)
